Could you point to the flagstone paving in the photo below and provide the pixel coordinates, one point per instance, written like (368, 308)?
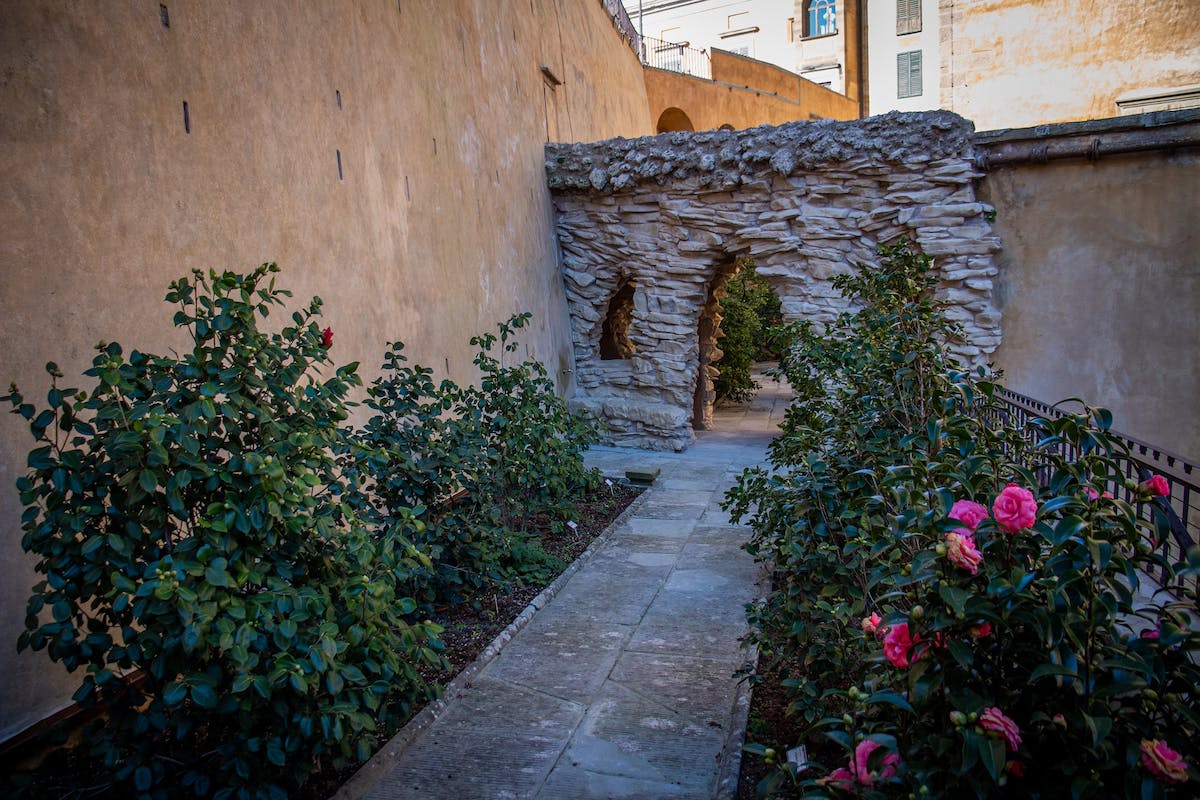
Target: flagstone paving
(621, 683)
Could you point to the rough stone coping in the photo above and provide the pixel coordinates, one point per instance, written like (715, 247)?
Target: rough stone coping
(1132, 122)
(727, 158)
(642, 477)
(376, 769)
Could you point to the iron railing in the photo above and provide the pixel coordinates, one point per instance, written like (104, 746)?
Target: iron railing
(1140, 461)
(676, 57)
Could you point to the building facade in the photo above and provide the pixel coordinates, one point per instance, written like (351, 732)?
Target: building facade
(1017, 63)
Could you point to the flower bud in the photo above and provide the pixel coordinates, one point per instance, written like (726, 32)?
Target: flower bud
(958, 718)
(847, 720)
(918, 613)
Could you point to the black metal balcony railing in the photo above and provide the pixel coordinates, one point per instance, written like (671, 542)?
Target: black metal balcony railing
(1139, 463)
(676, 57)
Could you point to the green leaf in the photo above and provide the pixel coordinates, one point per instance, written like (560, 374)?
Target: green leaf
(143, 779)
(955, 598)
(991, 753)
(174, 693)
(203, 695)
(890, 698)
(147, 480)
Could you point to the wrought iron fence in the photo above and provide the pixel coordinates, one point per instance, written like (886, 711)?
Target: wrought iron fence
(1140, 461)
(676, 57)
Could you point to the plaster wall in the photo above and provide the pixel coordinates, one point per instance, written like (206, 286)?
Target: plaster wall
(439, 226)
(760, 27)
(1099, 286)
(750, 93)
(1013, 63)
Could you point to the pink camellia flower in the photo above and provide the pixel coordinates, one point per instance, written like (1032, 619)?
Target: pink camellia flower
(962, 552)
(1093, 495)
(1158, 486)
(981, 631)
(969, 513)
(1149, 633)
(1015, 509)
(1163, 762)
(871, 623)
(898, 645)
(327, 338)
(862, 756)
(993, 720)
(840, 777)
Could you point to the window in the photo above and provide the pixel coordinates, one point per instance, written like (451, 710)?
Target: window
(908, 74)
(820, 17)
(908, 16)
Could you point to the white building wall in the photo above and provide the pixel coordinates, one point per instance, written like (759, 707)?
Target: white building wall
(883, 47)
(701, 24)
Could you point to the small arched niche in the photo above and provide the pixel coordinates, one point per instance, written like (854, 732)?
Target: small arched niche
(614, 333)
(674, 119)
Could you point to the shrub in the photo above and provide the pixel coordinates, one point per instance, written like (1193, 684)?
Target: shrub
(957, 608)
(461, 470)
(748, 310)
(204, 563)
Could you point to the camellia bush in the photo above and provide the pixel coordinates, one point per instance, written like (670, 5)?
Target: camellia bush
(459, 471)
(959, 609)
(205, 567)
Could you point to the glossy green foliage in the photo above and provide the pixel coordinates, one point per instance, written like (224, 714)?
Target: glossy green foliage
(885, 435)
(205, 567)
(748, 311)
(459, 471)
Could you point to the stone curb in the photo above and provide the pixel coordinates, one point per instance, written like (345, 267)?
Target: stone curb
(372, 772)
(731, 754)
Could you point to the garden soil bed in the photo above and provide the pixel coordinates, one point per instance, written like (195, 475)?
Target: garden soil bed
(65, 773)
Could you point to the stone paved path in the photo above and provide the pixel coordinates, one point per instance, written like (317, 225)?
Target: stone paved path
(621, 685)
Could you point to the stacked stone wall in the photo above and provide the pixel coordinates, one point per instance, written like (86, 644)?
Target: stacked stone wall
(804, 201)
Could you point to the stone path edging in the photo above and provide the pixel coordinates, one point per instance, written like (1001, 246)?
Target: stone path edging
(370, 773)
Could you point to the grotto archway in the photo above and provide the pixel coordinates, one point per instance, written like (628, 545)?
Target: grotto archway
(805, 201)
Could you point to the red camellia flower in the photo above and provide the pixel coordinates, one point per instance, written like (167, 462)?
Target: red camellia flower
(994, 721)
(1158, 486)
(1163, 762)
(871, 623)
(862, 754)
(327, 337)
(1015, 509)
(898, 645)
(981, 631)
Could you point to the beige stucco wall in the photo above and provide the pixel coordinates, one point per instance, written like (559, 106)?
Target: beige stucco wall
(1099, 288)
(743, 93)
(1013, 63)
(441, 226)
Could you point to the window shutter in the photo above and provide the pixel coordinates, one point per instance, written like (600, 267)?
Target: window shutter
(908, 16)
(908, 74)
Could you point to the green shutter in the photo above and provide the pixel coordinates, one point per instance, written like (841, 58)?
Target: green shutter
(908, 74)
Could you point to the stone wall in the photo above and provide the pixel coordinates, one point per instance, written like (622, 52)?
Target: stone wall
(673, 214)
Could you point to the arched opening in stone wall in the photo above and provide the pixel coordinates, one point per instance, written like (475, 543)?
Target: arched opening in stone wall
(614, 333)
(673, 119)
(707, 332)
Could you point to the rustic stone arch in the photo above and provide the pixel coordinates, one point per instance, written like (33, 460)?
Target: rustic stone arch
(806, 201)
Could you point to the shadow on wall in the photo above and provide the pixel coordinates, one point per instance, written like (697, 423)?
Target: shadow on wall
(673, 119)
